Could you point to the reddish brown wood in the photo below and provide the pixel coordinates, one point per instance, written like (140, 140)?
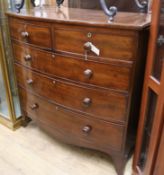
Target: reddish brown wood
(32, 34)
(64, 15)
(111, 75)
(158, 167)
(68, 126)
(114, 44)
(71, 95)
(157, 86)
(156, 131)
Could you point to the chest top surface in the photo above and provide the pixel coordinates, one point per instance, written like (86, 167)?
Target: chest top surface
(123, 20)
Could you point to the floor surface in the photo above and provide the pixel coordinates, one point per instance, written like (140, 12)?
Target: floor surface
(30, 151)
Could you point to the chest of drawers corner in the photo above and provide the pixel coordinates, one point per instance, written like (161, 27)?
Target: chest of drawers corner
(80, 98)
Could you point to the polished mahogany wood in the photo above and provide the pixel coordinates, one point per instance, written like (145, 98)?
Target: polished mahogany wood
(114, 44)
(96, 93)
(64, 15)
(73, 127)
(73, 95)
(32, 34)
(112, 75)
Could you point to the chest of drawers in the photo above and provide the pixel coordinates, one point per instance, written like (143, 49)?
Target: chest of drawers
(77, 96)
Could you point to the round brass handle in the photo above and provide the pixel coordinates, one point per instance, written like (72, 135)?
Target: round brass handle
(87, 102)
(30, 81)
(25, 34)
(87, 46)
(88, 73)
(27, 57)
(87, 129)
(34, 106)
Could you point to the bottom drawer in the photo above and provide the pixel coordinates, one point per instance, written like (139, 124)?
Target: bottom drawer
(72, 127)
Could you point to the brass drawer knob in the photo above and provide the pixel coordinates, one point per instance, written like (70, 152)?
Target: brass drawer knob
(88, 73)
(87, 46)
(25, 34)
(27, 57)
(30, 81)
(87, 129)
(34, 106)
(89, 35)
(160, 40)
(87, 102)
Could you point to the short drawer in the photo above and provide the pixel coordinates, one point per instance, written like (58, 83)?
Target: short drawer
(103, 104)
(111, 76)
(112, 43)
(72, 127)
(39, 35)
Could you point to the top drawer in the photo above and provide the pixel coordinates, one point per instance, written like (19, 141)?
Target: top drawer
(34, 33)
(112, 43)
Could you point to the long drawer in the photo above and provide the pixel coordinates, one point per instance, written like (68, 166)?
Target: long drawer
(103, 104)
(72, 127)
(112, 43)
(37, 34)
(90, 72)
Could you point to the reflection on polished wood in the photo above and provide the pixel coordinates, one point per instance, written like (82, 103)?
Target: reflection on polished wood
(81, 96)
(123, 20)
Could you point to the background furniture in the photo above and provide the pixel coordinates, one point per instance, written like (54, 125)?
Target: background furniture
(149, 154)
(122, 5)
(9, 103)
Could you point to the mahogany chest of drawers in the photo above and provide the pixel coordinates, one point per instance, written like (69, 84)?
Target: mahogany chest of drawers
(80, 97)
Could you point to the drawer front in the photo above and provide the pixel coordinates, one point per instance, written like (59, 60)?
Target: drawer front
(31, 33)
(106, 75)
(113, 44)
(72, 127)
(102, 104)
